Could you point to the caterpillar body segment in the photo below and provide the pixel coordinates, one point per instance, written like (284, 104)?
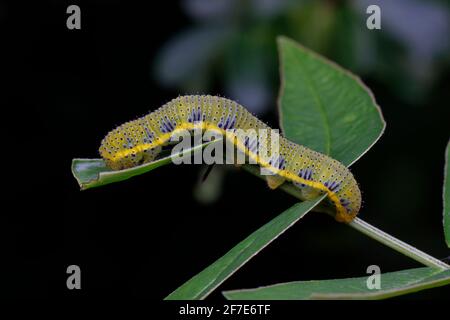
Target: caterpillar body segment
(140, 141)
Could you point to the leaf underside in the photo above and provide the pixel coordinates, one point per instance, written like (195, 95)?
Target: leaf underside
(392, 284)
(91, 173)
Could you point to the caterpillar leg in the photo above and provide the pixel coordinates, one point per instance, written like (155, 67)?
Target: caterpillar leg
(207, 172)
(274, 181)
(309, 193)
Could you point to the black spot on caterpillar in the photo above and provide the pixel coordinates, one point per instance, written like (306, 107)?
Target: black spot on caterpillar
(140, 141)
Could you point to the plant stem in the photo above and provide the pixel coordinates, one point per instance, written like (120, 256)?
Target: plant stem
(397, 244)
(368, 229)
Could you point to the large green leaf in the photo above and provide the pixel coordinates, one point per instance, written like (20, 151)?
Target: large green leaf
(447, 196)
(206, 281)
(325, 107)
(392, 284)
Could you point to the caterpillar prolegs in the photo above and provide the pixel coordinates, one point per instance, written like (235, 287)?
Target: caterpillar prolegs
(140, 141)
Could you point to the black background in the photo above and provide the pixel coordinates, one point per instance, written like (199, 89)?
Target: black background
(144, 237)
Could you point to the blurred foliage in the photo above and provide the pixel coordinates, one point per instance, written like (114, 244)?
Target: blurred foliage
(208, 188)
(231, 44)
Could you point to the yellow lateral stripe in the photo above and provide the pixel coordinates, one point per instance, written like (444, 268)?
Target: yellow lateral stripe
(230, 136)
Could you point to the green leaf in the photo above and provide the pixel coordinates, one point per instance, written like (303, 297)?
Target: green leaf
(325, 107)
(447, 196)
(206, 281)
(91, 173)
(392, 284)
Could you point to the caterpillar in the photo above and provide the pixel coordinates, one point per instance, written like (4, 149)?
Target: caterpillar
(136, 142)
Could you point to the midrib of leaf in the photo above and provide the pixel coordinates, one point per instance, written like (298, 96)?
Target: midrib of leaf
(318, 104)
(371, 231)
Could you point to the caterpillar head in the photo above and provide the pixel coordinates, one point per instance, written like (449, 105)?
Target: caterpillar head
(122, 149)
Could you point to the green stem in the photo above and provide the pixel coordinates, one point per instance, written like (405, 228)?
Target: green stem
(368, 229)
(397, 244)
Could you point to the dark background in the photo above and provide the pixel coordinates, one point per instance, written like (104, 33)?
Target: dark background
(65, 89)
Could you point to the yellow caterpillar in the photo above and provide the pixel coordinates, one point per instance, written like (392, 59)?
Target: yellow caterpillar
(140, 141)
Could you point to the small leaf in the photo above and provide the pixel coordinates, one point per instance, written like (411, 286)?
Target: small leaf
(392, 284)
(91, 173)
(447, 196)
(206, 281)
(325, 107)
